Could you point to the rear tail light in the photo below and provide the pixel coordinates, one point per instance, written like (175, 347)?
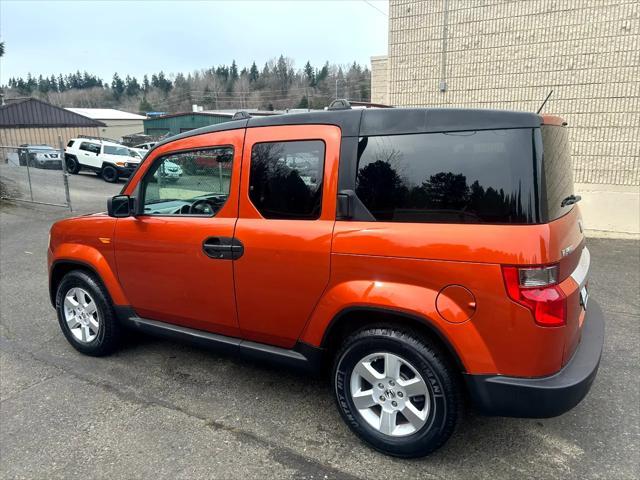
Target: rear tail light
(536, 288)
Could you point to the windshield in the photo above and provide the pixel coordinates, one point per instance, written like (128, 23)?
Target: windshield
(112, 150)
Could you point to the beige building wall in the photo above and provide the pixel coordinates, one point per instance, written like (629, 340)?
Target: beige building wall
(13, 137)
(116, 129)
(379, 80)
(510, 54)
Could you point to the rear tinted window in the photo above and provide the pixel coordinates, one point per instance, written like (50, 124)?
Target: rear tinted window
(285, 180)
(462, 177)
(556, 164)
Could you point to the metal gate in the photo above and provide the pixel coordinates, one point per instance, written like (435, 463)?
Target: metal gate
(35, 174)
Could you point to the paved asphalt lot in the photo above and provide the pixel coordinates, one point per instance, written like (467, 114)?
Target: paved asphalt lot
(163, 410)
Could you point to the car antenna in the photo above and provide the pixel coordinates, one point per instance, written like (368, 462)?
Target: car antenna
(545, 101)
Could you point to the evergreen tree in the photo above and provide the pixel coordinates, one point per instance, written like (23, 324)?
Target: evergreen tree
(132, 87)
(42, 85)
(163, 83)
(282, 73)
(323, 73)
(304, 102)
(253, 73)
(117, 86)
(309, 74)
(145, 106)
(225, 86)
(233, 71)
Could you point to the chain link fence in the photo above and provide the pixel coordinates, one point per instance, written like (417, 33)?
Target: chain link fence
(34, 173)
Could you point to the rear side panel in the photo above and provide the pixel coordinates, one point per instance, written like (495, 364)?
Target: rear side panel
(500, 337)
(405, 267)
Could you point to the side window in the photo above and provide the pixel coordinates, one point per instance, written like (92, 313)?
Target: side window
(458, 177)
(90, 147)
(285, 179)
(188, 183)
(70, 144)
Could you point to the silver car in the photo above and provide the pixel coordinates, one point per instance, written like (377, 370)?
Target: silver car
(41, 156)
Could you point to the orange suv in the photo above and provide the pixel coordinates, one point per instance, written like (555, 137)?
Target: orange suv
(423, 255)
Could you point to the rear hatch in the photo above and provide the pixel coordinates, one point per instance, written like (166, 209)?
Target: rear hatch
(566, 237)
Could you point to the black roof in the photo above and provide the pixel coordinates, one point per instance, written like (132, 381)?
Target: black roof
(387, 121)
(33, 113)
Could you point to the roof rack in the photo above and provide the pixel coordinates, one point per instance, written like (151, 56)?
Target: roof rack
(241, 115)
(344, 104)
(339, 104)
(95, 137)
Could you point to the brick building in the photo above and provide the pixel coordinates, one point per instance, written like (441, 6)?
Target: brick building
(510, 54)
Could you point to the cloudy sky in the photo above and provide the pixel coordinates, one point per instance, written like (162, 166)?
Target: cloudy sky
(51, 37)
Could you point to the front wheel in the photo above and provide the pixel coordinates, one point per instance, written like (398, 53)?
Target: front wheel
(85, 314)
(109, 174)
(396, 391)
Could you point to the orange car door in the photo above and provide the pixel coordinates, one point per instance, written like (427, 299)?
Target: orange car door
(287, 214)
(174, 259)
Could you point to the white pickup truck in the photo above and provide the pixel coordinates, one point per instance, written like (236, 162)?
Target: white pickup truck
(109, 160)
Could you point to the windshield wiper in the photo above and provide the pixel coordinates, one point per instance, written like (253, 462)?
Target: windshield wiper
(570, 200)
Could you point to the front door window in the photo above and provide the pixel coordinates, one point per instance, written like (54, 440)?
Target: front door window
(189, 183)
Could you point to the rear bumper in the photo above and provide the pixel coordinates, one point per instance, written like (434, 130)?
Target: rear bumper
(546, 396)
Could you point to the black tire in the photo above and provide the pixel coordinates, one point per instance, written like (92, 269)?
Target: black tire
(72, 164)
(109, 174)
(440, 378)
(108, 335)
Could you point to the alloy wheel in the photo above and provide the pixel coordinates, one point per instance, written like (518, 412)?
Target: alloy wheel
(390, 394)
(81, 314)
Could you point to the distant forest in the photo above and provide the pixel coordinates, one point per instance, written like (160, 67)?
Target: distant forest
(277, 85)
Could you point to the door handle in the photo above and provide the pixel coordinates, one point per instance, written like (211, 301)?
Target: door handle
(223, 248)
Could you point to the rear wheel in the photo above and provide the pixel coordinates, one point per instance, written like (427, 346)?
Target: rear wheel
(396, 391)
(72, 165)
(109, 174)
(85, 314)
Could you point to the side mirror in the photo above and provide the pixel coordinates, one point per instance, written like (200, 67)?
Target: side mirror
(120, 206)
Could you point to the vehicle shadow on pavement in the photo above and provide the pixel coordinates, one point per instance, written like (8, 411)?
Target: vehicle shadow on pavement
(198, 376)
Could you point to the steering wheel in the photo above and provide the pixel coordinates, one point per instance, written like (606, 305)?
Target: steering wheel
(201, 207)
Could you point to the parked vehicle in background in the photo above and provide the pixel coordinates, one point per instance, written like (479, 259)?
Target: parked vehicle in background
(422, 255)
(145, 146)
(168, 171)
(108, 159)
(39, 156)
(141, 152)
(199, 162)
